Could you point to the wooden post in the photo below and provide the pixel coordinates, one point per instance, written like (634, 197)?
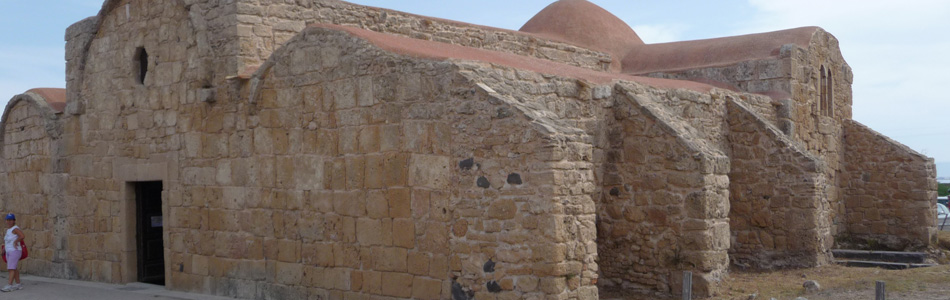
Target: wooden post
(687, 285)
(880, 293)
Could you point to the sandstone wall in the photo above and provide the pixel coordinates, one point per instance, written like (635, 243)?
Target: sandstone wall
(120, 130)
(341, 170)
(196, 37)
(763, 76)
(822, 133)
(371, 191)
(791, 80)
(207, 155)
(335, 180)
(758, 240)
(28, 165)
(889, 191)
(778, 207)
(264, 26)
(567, 103)
(562, 210)
(324, 196)
(32, 178)
(665, 200)
(693, 222)
(703, 113)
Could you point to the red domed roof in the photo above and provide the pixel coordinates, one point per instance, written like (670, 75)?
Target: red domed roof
(584, 24)
(55, 97)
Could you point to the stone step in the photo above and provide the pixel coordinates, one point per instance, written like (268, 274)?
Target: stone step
(881, 264)
(883, 256)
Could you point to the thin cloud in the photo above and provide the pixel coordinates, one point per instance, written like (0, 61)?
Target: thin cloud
(660, 33)
(886, 16)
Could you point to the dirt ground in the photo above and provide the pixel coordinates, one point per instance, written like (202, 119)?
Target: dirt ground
(837, 282)
(844, 283)
(840, 283)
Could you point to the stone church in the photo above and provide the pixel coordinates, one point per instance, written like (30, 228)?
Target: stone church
(317, 149)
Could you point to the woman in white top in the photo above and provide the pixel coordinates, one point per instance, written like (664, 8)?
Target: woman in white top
(11, 249)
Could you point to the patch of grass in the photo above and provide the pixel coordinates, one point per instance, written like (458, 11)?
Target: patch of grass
(943, 247)
(838, 282)
(785, 284)
(943, 240)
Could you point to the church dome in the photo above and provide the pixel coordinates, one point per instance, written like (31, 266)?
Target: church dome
(584, 24)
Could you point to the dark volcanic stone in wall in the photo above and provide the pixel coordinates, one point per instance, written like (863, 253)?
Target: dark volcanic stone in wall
(482, 182)
(459, 293)
(514, 178)
(489, 266)
(467, 164)
(615, 192)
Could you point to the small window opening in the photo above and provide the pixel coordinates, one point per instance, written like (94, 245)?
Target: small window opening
(826, 93)
(830, 107)
(141, 58)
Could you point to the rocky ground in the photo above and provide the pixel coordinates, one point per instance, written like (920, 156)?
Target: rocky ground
(839, 283)
(835, 283)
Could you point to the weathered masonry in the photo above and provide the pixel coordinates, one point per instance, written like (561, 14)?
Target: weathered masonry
(293, 149)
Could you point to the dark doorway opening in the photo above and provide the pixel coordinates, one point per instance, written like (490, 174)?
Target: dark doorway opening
(149, 225)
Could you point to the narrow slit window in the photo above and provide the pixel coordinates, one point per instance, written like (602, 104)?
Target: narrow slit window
(823, 92)
(829, 98)
(141, 58)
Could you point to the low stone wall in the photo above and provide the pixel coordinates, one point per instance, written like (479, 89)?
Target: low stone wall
(264, 26)
(776, 191)
(889, 191)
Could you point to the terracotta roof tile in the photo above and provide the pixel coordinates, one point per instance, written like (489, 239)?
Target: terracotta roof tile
(687, 55)
(443, 51)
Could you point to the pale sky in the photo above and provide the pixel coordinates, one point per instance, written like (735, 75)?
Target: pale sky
(897, 49)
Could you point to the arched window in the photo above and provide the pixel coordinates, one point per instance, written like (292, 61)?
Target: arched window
(141, 60)
(826, 91)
